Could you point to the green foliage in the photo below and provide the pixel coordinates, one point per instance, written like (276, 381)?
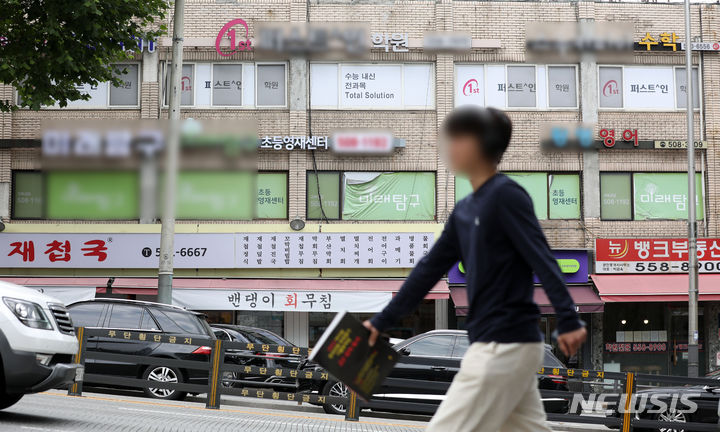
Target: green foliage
(48, 47)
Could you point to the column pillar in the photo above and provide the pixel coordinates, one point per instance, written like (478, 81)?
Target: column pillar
(297, 327)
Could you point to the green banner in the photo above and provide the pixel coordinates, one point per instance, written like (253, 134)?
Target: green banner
(616, 196)
(215, 195)
(391, 196)
(535, 183)
(564, 196)
(665, 196)
(272, 199)
(92, 195)
(27, 201)
(330, 193)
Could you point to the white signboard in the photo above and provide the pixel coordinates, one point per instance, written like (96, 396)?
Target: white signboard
(649, 87)
(210, 250)
(469, 85)
(281, 301)
(371, 86)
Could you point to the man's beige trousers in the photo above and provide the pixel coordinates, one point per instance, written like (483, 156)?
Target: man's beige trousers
(495, 390)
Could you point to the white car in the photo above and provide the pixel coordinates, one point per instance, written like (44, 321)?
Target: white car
(37, 344)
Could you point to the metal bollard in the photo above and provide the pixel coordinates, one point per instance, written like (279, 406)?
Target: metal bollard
(76, 388)
(626, 425)
(352, 411)
(215, 376)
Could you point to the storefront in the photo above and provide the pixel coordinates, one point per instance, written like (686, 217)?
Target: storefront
(574, 265)
(288, 282)
(645, 325)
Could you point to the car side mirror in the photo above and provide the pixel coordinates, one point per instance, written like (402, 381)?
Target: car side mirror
(405, 351)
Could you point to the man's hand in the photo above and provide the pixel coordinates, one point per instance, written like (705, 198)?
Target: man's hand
(374, 333)
(570, 342)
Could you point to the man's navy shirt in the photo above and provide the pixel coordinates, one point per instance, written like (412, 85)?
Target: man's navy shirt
(496, 235)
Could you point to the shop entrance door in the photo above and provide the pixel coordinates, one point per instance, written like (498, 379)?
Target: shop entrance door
(678, 340)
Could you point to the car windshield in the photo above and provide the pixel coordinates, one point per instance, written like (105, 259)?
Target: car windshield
(180, 322)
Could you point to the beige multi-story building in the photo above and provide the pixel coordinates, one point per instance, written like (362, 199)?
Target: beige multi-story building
(86, 232)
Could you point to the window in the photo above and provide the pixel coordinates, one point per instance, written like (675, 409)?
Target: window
(227, 85)
(327, 203)
(271, 85)
(128, 93)
(432, 346)
(215, 195)
(372, 86)
(372, 195)
(125, 317)
(179, 322)
(86, 315)
(517, 86)
(92, 195)
(461, 346)
(27, 195)
(646, 87)
(554, 196)
(616, 196)
(272, 190)
(147, 322)
(106, 95)
(231, 85)
(187, 85)
(647, 196)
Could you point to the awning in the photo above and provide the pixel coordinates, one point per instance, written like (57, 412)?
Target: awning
(148, 286)
(586, 300)
(654, 287)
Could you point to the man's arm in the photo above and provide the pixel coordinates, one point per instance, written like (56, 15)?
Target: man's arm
(522, 227)
(423, 277)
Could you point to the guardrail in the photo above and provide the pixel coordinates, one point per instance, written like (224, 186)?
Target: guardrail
(215, 367)
(592, 383)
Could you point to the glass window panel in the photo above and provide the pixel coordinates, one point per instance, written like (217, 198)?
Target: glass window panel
(520, 86)
(271, 85)
(564, 196)
(615, 196)
(432, 346)
(187, 84)
(215, 195)
(681, 86)
(27, 200)
(227, 85)
(329, 192)
(611, 86)
(562, 89)
(127, 93)
(389, 196)
(536, 186)
(664, 196)
(125, 317)
(463, 188)
(92, 195)
(272, 197)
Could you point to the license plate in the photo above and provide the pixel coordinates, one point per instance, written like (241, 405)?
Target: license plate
(79, 374)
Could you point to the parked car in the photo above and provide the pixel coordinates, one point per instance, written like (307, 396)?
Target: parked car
(37, 342)
(668, 404)
(435, 357)
(152, 318)
(256, 357)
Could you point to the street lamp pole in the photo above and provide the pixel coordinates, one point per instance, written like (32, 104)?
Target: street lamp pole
(167, 233)
(692, 218)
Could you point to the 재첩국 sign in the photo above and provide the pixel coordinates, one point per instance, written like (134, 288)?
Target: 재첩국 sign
(211, 250)
(636, 255)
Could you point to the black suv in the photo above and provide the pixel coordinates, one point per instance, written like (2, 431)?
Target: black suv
(152, 318)
(435, 357)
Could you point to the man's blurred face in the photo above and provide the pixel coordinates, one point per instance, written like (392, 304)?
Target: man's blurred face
(463, 153)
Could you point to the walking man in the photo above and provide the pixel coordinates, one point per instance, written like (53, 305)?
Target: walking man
(495, 233)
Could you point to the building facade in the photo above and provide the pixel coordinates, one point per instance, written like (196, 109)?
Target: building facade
(369, 218)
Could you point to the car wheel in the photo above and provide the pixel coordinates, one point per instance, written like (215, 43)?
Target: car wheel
(229, 378)
(164, 374)
(8, 400)
(674, 416)
(337, 389)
